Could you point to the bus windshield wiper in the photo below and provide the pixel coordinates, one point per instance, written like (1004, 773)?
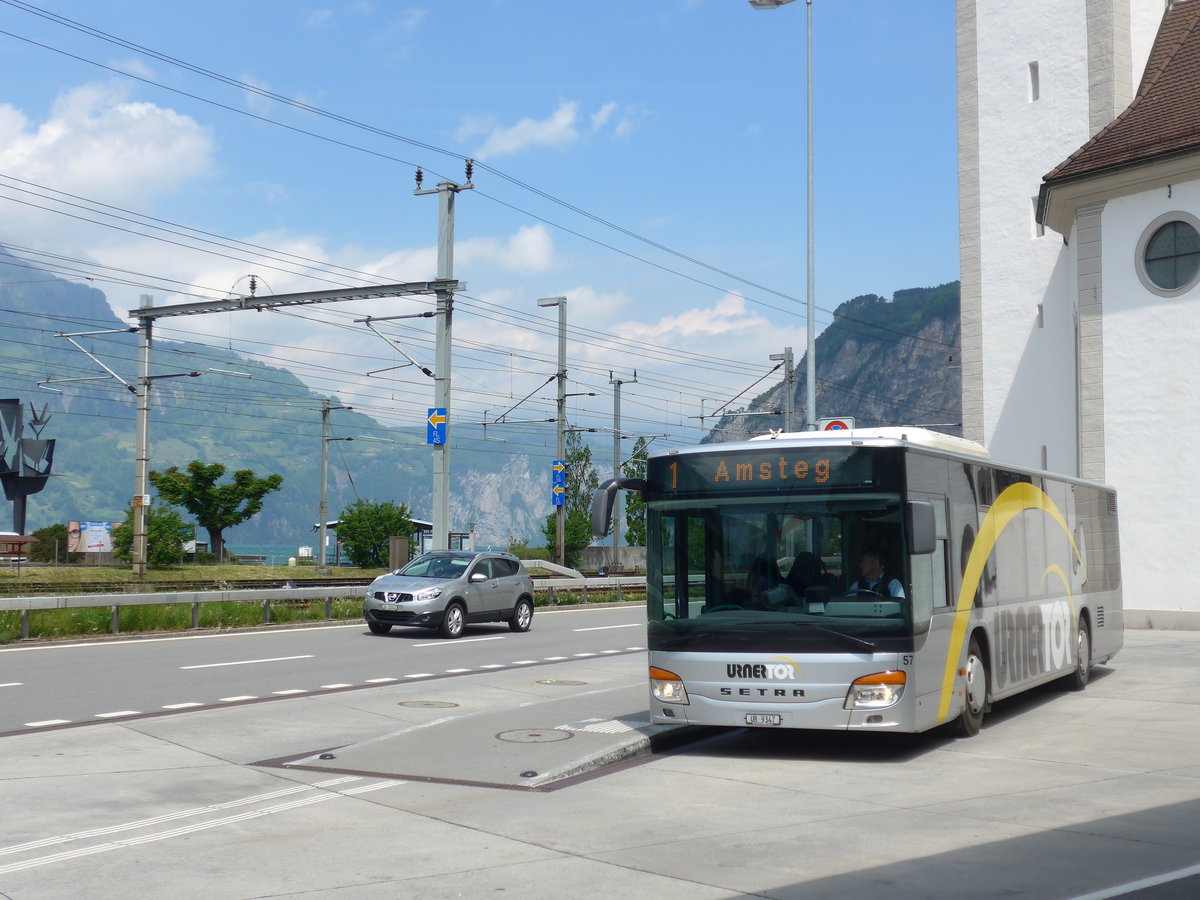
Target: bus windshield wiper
(848, 638)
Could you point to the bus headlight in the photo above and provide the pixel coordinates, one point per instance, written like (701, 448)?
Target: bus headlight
(667, 687)
(876, 691)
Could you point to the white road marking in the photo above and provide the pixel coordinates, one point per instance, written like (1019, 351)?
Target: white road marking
(493, 666)
(455, 643)
(607, 627)
(420, 675)
(182, 637)
(556, 658)
(381, 680)
(330, 687)
(47, 722)
(12, 684)
(1153, 881)
(247, 662)
(290, 691)
(456, 671)
(186, 829)
(524, 662)
(113, 715)
(188, 705)
(236, 699)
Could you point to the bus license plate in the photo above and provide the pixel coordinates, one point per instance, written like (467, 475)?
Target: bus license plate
(761, 719)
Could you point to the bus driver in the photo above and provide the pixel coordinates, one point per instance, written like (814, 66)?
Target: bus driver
(874, 579)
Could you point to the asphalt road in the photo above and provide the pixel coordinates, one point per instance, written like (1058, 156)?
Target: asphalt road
(72, 683)
(1061, 795)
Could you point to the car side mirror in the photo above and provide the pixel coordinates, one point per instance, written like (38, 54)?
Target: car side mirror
(478, 576)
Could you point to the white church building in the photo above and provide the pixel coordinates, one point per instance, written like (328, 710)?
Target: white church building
(1079, 207)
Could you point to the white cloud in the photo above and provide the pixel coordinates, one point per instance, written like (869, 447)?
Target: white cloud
(256, 102)
(530, 249)
(727, 317)
(97, 144)
(601, 116)
(555, 131)
(318, 18)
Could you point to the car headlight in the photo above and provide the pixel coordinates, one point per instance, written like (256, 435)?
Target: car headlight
(428, 594)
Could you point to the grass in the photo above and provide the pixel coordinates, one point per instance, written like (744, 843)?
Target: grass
(60, 624)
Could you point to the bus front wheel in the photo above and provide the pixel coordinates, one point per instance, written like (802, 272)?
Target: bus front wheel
(975, 691)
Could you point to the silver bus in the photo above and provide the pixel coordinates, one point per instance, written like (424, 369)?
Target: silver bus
(887, 579)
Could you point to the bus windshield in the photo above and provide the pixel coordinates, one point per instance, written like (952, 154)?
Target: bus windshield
(795, 573)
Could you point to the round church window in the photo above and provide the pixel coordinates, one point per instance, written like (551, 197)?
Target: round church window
(1170, 254)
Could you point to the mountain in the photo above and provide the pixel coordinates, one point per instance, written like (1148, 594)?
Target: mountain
(882, 362)
(269, 422)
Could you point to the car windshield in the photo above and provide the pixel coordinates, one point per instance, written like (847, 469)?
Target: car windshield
(445, 567)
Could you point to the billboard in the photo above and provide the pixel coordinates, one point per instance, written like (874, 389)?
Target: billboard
(90, 537)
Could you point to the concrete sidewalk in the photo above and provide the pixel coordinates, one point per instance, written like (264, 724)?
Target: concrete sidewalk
(516, 729)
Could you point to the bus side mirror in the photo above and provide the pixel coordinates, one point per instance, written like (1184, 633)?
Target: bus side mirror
(606, 497)
(922, 530)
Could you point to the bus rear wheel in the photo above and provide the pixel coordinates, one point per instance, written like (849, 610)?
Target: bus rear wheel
(1078, 679)
(975, 692)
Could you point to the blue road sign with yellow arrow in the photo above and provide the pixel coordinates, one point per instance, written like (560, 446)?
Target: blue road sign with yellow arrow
(435, 432)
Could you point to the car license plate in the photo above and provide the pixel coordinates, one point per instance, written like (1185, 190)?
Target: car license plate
(761, 719)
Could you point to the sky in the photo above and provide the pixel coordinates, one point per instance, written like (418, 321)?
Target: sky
(646, 160)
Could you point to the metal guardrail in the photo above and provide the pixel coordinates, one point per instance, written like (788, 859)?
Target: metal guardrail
(328, 593)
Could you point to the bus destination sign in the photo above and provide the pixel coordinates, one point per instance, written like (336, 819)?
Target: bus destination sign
(776, 468)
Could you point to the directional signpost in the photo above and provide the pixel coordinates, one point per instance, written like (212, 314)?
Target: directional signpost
(558, 481)
(435, 431)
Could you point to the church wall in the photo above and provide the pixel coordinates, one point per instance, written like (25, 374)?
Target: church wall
(1151, 405)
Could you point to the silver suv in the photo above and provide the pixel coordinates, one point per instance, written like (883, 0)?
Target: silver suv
(446, 589)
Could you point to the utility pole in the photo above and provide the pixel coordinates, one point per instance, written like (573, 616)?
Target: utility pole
(141, 470)
(146, 314)
(446, 191)
(789, 387)
(616, 531)
(322, 511)
(560, 512)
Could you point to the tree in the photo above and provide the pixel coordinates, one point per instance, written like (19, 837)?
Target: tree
(166, 533)
(51, 545)
(635, 506)
(215, 506)
(582, 481)
(365, 526)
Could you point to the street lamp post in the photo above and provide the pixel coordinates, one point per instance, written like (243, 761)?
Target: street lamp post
(811, 350)
(560, 512)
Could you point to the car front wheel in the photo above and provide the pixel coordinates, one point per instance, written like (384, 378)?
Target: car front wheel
(379, 627)
(522, 615)
(454, 621)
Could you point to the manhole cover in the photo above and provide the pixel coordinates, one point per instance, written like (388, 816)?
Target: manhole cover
(562, 682)
(535, 736)
(429, 704)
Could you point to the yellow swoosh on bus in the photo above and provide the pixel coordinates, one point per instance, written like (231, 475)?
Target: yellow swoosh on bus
(1013, 501)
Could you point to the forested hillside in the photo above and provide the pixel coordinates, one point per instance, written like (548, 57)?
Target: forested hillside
(269, 422)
